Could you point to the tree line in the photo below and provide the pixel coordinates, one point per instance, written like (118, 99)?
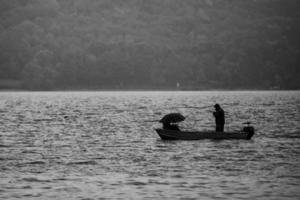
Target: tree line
(150, 44)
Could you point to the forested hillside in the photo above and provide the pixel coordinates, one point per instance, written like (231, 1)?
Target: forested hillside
(150, 44)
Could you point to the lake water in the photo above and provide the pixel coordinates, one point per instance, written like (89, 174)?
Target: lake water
(101, 145)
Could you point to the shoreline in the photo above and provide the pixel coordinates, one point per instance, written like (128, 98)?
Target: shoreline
(16, 85)
(148, 90)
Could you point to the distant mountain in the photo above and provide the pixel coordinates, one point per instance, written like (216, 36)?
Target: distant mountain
(150, 44)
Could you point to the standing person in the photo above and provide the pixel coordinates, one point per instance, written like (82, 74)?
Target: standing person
(220, 118)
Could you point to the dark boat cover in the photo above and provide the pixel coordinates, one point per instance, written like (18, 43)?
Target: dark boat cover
(172, 118)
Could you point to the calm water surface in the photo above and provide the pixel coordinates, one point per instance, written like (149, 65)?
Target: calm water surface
(99, 145)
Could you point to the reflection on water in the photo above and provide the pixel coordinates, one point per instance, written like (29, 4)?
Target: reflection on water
(93, 145)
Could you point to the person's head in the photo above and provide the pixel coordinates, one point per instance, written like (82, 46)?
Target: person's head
(217, 106)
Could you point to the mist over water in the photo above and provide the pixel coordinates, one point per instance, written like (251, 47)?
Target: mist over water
(94, 145)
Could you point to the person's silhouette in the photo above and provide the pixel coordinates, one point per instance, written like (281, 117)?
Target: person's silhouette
(168, 126)
(219, 118)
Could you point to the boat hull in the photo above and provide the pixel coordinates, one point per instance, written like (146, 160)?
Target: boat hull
(199, 135)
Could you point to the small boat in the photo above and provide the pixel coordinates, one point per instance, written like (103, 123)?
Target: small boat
(166, 134)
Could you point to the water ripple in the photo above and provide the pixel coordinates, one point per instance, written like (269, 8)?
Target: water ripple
(99, 145)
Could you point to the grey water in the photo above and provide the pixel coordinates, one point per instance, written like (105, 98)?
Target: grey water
(102, 145)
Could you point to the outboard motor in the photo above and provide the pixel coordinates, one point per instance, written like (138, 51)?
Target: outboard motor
(249, 129)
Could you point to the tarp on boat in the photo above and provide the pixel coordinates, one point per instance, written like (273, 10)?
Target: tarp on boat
(172, 118)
